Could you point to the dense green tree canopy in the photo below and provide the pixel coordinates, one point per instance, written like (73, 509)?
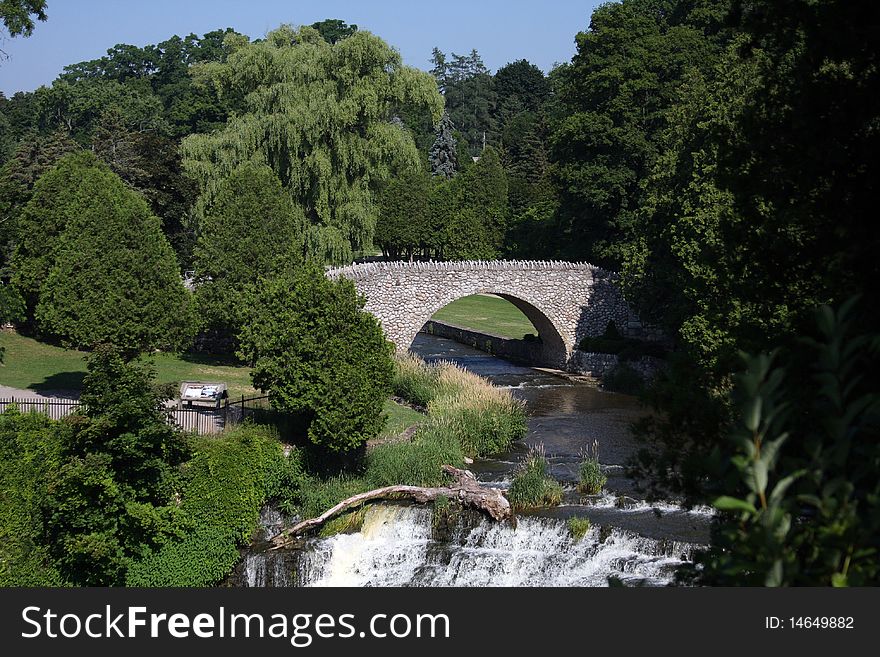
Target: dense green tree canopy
(405, 215)
(251, 230)
(320, 116)
(612, 110)
(471, 211)
(334, 29)
(469, 92)
(111, 276)
(520, 87)
(53, 204)
(317, 353)
(31, 159)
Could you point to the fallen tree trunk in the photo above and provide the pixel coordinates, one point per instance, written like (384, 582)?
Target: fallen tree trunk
(466, 490)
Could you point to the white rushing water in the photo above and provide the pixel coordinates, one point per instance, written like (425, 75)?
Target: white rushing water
(395, 548)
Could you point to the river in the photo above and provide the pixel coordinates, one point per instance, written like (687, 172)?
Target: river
(630, 540)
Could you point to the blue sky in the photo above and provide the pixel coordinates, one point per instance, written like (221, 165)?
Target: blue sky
(502, 31)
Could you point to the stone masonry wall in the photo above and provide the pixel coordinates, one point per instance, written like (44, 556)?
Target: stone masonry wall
(520, 351)
(566, 301)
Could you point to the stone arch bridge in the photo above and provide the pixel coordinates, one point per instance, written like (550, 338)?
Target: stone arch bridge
(565, 301)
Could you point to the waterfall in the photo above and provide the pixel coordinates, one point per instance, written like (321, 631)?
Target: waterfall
(395, 548)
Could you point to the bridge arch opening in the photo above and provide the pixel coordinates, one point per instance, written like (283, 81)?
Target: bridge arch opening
(500, 323)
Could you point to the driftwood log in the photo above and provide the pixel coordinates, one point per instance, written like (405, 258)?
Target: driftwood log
(466, 489)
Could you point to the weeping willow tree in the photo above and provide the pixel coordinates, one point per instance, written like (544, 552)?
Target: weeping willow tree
(321, 116)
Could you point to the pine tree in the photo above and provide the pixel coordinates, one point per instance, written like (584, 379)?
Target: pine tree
(443, 156)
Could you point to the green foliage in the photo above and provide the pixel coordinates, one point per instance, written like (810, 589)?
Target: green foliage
(578, 527)
(444, 517)
(591, 479)
(443, 156)
(483, 419)
(225, 484)
(470, 97)
(612, 110)
(320, 116)
(521, 87)
(405, 220)
(110, 500)
(416, 463)
(333, 29)
(55, 200)
(317, 353)
(17, 15)
(755, 211)
(624, 379)
(472, 210)
(347, 523)
(30, 159)
(414, 380)
(531, 486)
(114, 277)
(29, 456)
(466, 416)
(250, 230)
(127, 422)
(149, 163)
(802, 506)
(315, 495)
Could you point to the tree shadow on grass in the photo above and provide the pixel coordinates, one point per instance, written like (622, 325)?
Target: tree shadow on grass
(61, 384)
(228, 360)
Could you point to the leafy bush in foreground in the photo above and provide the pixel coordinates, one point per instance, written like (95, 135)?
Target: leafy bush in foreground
(226, 483)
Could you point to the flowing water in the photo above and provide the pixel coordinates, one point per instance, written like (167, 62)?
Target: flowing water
(630, 540)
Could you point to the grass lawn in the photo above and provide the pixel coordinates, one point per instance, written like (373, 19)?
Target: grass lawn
(487, 314)
(400, 418)
(29, 364)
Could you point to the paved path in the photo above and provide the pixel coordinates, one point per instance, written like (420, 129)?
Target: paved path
(51, 395)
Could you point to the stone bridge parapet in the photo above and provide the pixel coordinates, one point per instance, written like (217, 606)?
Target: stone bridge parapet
(565, 301)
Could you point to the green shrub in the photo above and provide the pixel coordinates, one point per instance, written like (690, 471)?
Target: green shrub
(318, 354)
(578, 527)
(484, 419)
(250, 229)
(113, 277)
(467, 416)
(225, 485)
(532, 487)
(29, 455)
(592, 479)
(623, 379)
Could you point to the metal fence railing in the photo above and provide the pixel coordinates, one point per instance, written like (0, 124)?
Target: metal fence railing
(195, 419)
(54, 408)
